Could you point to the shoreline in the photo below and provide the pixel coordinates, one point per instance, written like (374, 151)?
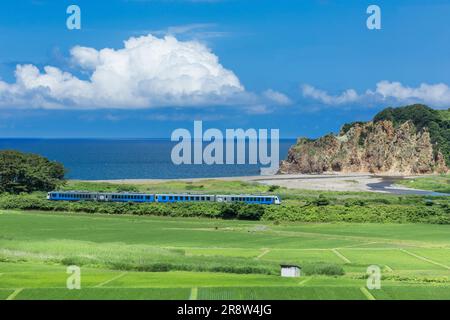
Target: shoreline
(352, 182)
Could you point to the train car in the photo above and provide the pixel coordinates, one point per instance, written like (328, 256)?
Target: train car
(164, 198)
(249, 199)
(72, 196)
(127, 197)
(161, 198)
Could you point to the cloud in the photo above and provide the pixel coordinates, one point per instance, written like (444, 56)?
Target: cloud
(147, 72)
(277, 97)
(347, 96)
(202, 32)
(434, 95)
(437, 95)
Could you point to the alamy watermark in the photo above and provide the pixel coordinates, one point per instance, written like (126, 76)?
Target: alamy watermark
(374, 279)
(74, 280)
(236, 146)
(73, 22)
(374, 20)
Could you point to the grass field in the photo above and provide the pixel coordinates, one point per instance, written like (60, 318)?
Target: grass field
(141, 257)
(438, 183)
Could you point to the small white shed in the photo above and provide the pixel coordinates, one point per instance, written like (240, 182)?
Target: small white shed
(290, 271)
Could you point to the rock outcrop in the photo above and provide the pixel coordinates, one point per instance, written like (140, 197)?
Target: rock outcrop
(375, 147)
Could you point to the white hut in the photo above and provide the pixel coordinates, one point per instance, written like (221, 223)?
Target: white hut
(290, 270)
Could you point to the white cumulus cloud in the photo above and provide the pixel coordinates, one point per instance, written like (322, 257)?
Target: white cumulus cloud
(437, 95)
(434, 95)
(147, 72)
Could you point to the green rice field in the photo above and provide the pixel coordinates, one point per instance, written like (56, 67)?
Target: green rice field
(142, 257)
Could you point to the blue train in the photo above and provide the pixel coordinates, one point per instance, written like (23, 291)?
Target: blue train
(163, 198)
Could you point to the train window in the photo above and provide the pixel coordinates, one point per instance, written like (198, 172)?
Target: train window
(197, 198)
(202, 198)
(170, 198)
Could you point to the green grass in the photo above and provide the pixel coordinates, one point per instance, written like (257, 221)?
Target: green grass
(412, 293)
(5, 293)
(118, 255)
(437, 183)
(105, 294)
(277, 293)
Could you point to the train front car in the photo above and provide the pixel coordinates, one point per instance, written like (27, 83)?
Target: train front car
(277, 200)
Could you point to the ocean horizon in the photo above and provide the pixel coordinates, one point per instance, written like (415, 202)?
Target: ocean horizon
(127, 158)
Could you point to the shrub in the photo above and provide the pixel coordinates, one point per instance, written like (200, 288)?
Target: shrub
(322, 268)
(250, 212)
(273, 188)
(127, 188)
(322, 201)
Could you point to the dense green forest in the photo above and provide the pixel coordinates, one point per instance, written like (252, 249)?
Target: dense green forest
(25, 172)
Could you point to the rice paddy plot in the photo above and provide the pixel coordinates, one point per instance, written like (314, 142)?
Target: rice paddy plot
(104, 294)
(410, 292)
(299, 255)
(395, 259)
(281, 293)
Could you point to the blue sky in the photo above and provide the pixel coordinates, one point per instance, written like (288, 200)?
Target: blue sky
(304, 67)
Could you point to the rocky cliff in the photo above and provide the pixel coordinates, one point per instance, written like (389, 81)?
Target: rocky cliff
(375, 147)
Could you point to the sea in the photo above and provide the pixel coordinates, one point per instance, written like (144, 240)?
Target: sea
(109, 159)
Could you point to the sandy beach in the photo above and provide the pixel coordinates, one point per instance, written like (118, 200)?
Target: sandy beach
(329, 181)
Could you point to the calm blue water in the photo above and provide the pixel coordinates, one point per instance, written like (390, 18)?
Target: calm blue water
(96, 159)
